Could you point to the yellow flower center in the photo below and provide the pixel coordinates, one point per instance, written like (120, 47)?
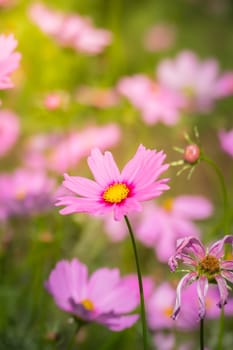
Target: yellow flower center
(168, 204)
(87, 303)
(116, 193)
(20, 194)
(209, 265)
(167, 311)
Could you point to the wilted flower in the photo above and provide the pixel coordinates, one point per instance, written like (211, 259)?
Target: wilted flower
(161, 225)
(198, 81)
(102, 298)
(9, 130)
(115, 191)
(155, 102)
(204, 266)
(9, 60)
(226, 141)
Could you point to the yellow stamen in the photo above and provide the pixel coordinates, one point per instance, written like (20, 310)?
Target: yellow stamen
(87, 303)
(168, 204)
(209, 264)
(168, 311)
(20, 194)
(116, 193)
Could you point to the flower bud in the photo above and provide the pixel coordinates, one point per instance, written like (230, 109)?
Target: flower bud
(191, 153)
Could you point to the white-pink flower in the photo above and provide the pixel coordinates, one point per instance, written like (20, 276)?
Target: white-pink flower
(156, 103)
(199, 81)
(9, 60)
(9, 130)
(226, 141)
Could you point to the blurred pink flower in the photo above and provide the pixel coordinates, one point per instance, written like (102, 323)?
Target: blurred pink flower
(161, 226)
(96, 96)
(160, 37)
(224, 85)
(205, 266)
(226, 141)
(55, 100)
(9, 60)
(132, 282)
(70, 30)
(198, 81)
(62, 152)
(9, 130)
(155, 102)
(112, 190)
(25, 193)
(168, 342)
(102, 298)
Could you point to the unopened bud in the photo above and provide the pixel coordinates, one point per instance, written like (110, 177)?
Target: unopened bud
(191, 153)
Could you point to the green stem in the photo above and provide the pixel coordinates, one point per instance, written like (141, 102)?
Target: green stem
(221, 329)
(223, 189)
(72, 339)
(202, 346)
(143, 313)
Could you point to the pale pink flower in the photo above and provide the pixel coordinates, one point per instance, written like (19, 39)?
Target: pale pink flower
(9, 130)
(197, 80)
(160, 226)
(55, 100)
(226, 141)
(132, 282)
(61, 152)
(97, 97)
(25, 193)
(160, 37)
(102, 298)
(70, 30)
(168, 342)
(112, 190)
(224, 86)
(205, 265)
(155, 102)
(9, 60)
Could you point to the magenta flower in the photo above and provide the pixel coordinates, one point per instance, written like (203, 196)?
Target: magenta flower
(112, 190)
(9, 60)
(155, 102)
(9, 130)
(102, 298)
(226, 141)
(204, 265)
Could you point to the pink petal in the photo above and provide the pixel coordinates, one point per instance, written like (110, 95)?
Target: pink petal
(193, 207)
(228, 275)
(82, 186)
(119, 323)
(222, 287)
(202, 288)
(217, 248)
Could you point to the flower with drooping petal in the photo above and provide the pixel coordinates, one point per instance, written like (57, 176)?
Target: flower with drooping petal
(112, 190)
(226, 141)
(9, 60)
(102, 298)
(205, 266)
(9, 130)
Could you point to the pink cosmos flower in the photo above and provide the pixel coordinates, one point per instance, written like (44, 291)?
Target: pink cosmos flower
(205, 266)
(55, 100)
(168, 342)
(25, 193)
(155, 102)
(198, 81)
(160, 226)
(160, 37)
(226, 141)
(112, 190)
(70, 30)
(103, 297)
(9, 130)
(224, 85)
(9, 60)
(97, 97)
(61, 152)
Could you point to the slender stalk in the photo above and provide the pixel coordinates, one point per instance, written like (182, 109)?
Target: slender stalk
(202, 346)
(223, 189)
(221, 330)
(143, 313)
(72, 339)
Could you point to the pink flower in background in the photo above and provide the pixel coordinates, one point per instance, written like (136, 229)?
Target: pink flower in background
(198, 81)
(9, 60)
(205, 266)
(9, 130)
(60, 152)
(168, 342)
(161, 226)
(112, 190)
(132, 282)
(226, 141)
(160, 37)
(224, 85)
(102, 298)
(155, 102)
(70, 30)
(55, 100)
(97, 97)
(25, 193)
